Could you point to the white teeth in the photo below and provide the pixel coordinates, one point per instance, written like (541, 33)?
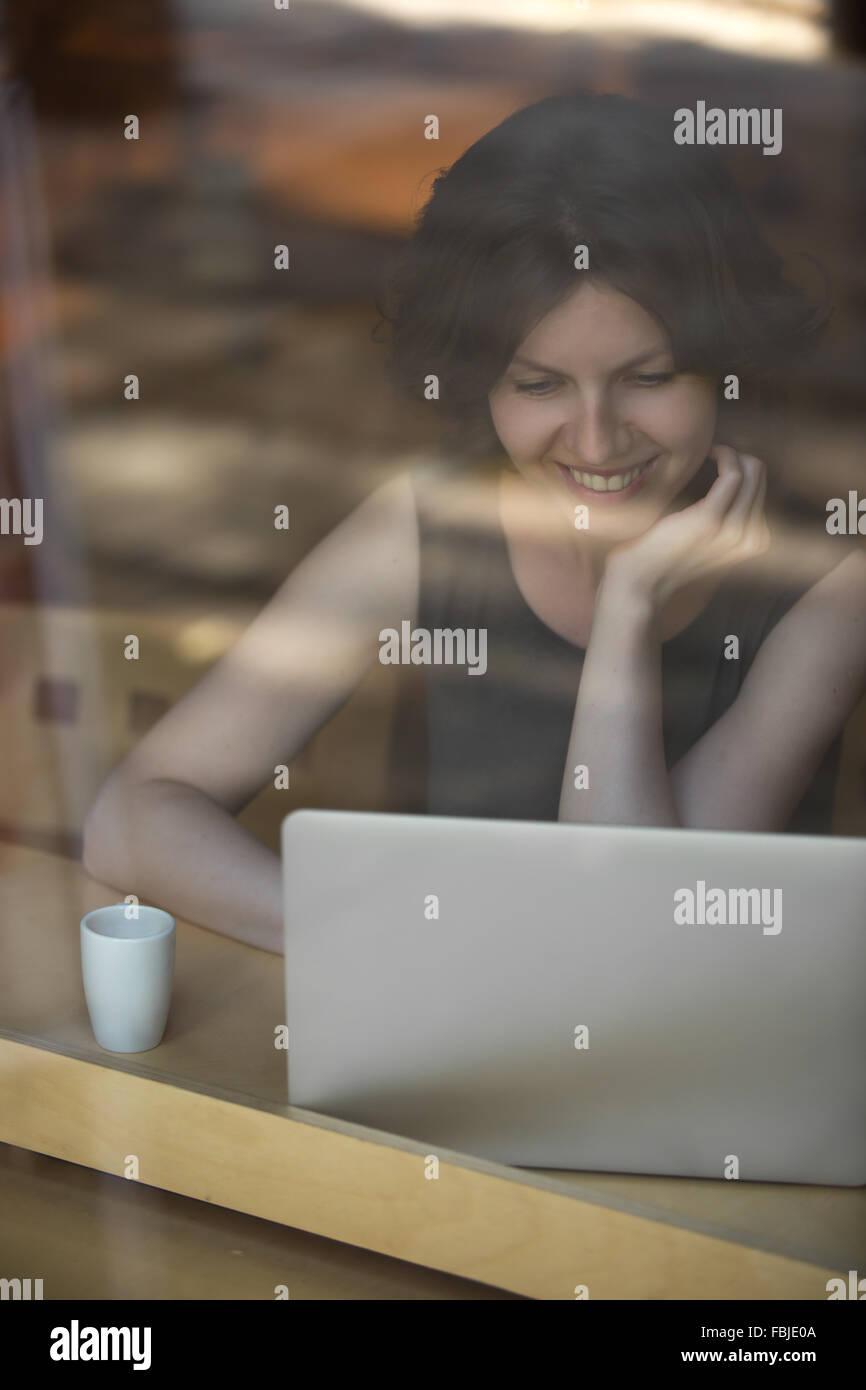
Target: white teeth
(614, 482)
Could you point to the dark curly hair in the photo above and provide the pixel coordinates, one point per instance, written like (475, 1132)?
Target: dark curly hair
(493, 252)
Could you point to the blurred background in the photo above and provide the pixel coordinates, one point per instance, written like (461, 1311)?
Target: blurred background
(303, 126)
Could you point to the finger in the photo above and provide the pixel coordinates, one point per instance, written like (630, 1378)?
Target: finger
(730, 541)
(698, 527)
(740, 511)
(726, 487)
(712, 505)
(757, 534)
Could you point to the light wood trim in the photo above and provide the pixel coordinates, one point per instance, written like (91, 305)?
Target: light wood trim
(479, 1220)
(143, 1243)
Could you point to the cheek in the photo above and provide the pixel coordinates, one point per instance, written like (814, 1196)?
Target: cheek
(515, 425)
(687, 420)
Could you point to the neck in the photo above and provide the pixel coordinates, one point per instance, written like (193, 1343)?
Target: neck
(543, 524)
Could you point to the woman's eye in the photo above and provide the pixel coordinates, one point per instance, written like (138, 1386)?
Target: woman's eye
(654, 378)
(534, 388)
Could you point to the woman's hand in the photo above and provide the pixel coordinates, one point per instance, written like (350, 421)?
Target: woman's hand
(722, 529)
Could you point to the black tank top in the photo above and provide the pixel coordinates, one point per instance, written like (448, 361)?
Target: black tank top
(495, 745)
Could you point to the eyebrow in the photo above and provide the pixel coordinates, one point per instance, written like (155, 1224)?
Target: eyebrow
(637, 361)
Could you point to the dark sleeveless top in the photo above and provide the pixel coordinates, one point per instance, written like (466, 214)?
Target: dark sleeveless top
(495, 745)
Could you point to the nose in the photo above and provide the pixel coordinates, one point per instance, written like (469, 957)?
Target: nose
(593, 434)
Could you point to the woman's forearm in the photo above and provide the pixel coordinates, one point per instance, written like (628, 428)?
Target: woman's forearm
(616, 733)
(173, 846)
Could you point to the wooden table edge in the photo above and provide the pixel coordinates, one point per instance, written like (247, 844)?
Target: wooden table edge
(505, 1227)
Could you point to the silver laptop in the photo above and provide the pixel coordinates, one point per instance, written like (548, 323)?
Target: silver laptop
(587, 997)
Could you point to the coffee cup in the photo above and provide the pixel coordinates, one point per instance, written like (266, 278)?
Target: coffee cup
(127, 964)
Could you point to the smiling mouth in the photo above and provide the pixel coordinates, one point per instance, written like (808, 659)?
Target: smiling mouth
(608, 482)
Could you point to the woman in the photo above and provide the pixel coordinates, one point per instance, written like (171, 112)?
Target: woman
(581, 298)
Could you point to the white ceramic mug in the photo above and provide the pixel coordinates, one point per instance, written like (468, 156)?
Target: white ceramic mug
(127, 963)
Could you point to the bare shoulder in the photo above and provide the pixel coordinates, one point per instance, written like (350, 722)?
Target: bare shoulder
(839, 595)
(378, 545)
(391, 503)
(849, 574)
(820, 643)
(370, 558)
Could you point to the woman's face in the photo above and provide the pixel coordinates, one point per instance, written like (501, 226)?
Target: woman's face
(591, 411)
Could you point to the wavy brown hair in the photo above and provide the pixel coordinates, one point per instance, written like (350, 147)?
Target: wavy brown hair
(493, 252)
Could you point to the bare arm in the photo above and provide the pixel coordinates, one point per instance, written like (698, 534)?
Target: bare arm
(617, 729)
(173, 845)
(750, 769)
(163, 825)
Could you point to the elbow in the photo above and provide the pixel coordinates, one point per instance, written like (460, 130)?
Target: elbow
(101, 843)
